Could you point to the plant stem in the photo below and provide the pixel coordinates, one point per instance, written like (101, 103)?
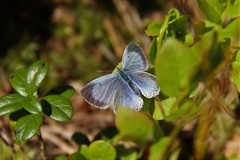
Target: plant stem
(42, 147)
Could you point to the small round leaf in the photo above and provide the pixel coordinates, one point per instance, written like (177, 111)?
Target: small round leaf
(28, 126)
(101, 150)
(11, 103)
(57, 107)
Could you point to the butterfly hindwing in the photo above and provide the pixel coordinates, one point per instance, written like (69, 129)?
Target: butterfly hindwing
(100, 92)
(134, 59)
(126, 97)
(146, 83)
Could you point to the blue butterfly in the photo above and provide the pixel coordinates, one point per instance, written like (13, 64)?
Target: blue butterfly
(123, 88)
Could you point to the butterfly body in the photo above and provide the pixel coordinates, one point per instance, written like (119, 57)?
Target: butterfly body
(124, 76)
(123, 88)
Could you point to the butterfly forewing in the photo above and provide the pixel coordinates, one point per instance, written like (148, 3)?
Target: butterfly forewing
(100, 92)
(134, 59)
(146, 83)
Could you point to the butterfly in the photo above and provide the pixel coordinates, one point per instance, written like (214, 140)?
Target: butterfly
(123, 88)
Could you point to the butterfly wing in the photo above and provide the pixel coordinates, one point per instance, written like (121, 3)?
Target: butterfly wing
(134, 59)
(100, 92)
(125, 96)
(146, 83)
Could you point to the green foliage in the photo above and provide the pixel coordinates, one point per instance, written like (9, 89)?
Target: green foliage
(236, 71)
(58, 107)
(101, 150)
(27, 126)
(188, 67)
(139, 130)
(175, 67)
(210, 10)
(163, 110)
(26, 108)
(196, 63)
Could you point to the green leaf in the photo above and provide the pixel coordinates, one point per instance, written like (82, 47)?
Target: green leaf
(63, 90)
(11, 103)
(57, 107)
(36, 73)
(76, 156)
(154, 28)
(153, 50)
(232, 10)
(186, 111)
(32, 105)
(60, 157)
(209, 11)
(18, 81)
(124, 153)
(177, 25)
(83, 150)
(134, 125)
(26, 81)
(235, 72)
(175, 66)
(101, 150)
(158, 148)
(232, 31)
(28, 126)
(167, 107)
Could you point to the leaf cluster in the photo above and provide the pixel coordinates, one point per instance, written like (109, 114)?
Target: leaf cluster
(26, 108)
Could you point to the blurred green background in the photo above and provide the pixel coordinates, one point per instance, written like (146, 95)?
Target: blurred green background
(78, 38)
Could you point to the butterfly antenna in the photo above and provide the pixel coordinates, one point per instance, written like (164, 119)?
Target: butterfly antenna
(104, 71)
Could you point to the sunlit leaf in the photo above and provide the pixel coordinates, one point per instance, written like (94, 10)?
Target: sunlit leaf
(232, 31)
(19, 81)
(11, 103)
(232, 10)
(167, 106)
(209, 11)
(32, 105)
(134, 125)
(36, 73)
(83, 150)
(158, 148)
(153, 28)
(175, 65)
(28, 126)
(101, 150)
(57, 107)
(186, 111)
